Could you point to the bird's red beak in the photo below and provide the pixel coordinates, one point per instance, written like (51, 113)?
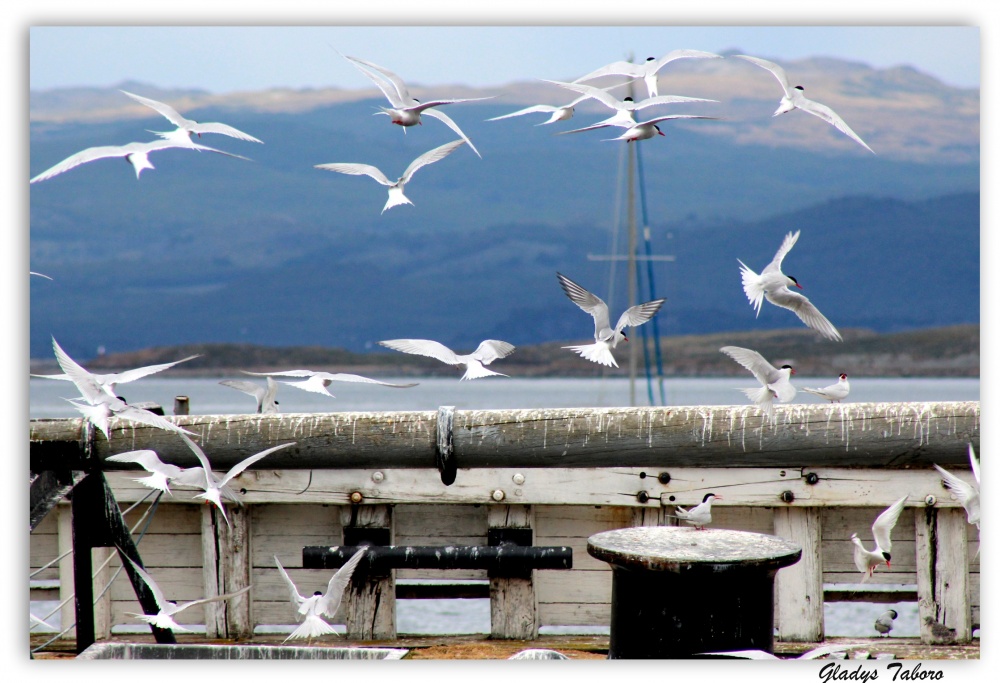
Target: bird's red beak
(798, 285)
(793, 371)
(624, 337)
(661, 133)
(888, 564)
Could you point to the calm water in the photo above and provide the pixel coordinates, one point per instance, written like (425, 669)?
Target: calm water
(208, 397)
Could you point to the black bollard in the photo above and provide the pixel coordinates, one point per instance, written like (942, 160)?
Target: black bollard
(679, 592)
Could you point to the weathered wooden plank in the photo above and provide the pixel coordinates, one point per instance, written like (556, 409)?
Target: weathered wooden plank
(574, 614)
(226, 569)
(46, 490)
(67, 614)
(513, 603)
(370, 601)
(574, 586)
(942, 572)
(618, 487)
(799, 587)
(891, 435)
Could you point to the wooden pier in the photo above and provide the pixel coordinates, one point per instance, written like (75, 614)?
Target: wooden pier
(813, 475)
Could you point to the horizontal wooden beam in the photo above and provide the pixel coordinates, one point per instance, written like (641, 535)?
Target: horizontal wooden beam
(619, 486)
(891, 435)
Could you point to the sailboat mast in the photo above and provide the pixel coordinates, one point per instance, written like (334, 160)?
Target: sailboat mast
(633, 356)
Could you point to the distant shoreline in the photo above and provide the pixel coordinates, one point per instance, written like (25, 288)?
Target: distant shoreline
(933, 352)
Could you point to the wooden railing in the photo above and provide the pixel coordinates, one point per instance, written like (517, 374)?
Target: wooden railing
(813, 475)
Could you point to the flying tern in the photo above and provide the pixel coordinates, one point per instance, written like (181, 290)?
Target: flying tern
(267, 403)
(700, 514)
(834, 393)
(396, 195)
(563, 113)
(98, 405)
(188, 125)
(965, 493)
(774, 381)
(317, 382)
(867, 560)
(774, 285)
(794, 99)
(110, 381)
(488, 351)
(884, 623)
(318, 604)
(405, 110)
(165, 617)
(647, 70)
(605, 338)
(625, 108)
(160, 472)
(212, 486)
(136, 153)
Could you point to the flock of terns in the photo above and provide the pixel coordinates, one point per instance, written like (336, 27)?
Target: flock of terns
(99, 402)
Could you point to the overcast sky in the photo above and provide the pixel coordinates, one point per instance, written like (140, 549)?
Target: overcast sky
(231, 58)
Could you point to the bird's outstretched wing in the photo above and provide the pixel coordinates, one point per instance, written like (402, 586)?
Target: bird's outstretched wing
(429, 157)
(423, 347)
(491, 349)
(357, 169)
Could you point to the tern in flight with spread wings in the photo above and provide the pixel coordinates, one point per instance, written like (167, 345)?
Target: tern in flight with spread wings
(605, 338)
(211, 485)
(98, 405)
(624, 109)
(774, 285)
(165, 617)
(109, 381)
(794, 99)
(311, 610)
(647, 70)
(867, 560)
(136, 153)
(396, 196)
(774, 381)
(488, 351)
(317, 382)
(406, 111)
(188, 125)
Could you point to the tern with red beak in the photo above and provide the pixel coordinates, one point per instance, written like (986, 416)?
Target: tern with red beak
(406, 111)
(773, 285)
(834, 393)
(605, 337)
(867, 560)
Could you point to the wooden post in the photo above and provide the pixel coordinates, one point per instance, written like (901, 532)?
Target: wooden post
(370, 601)
(102, 607)
(943, 592)
(513, 602)
(182, 405)
(799, 587)
(67, 615)
(226, 554)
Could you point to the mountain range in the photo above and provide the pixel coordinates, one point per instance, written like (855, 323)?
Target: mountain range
(206, 248)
